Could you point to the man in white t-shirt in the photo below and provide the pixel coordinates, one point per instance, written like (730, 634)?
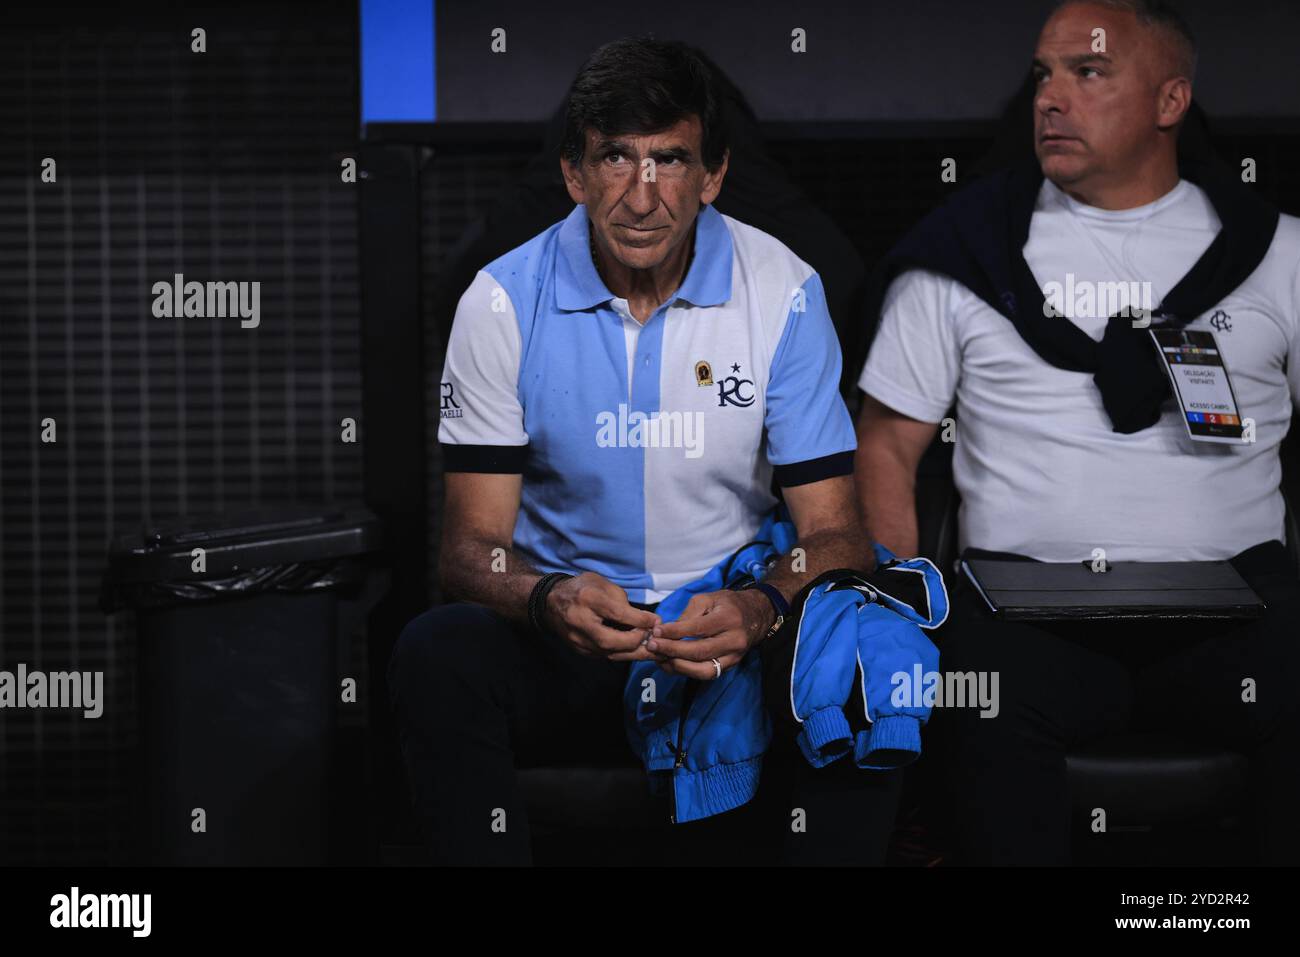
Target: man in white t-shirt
(1068, 438)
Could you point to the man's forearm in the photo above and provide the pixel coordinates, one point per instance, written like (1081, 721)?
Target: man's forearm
(487, 573)
(887, 491)
(818, 552)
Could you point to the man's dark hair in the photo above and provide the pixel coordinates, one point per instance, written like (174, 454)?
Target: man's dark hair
(643, 85)
(1163, 16)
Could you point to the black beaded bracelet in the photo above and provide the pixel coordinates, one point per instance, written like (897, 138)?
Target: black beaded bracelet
(537, 599)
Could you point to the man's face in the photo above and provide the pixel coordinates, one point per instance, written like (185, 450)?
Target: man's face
(1096, 114)
(643, 191)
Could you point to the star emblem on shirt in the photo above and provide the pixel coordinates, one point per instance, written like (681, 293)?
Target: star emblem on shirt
(735, 367)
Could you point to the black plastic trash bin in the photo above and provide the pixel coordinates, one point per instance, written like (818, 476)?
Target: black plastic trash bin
(240, 624)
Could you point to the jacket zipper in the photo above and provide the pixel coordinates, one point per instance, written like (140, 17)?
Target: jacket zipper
(688, 697)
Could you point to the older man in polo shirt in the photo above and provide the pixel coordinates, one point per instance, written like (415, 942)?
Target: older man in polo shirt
(622, 396)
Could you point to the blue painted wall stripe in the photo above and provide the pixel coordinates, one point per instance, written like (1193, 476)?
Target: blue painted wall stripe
(398, 79)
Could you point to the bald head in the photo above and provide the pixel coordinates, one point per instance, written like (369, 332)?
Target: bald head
(1169, 39)
(1111, 91)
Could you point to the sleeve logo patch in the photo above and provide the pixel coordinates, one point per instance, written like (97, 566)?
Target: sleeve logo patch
(450, 408)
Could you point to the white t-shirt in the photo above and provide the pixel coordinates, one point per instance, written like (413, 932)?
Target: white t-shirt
(1038, 467)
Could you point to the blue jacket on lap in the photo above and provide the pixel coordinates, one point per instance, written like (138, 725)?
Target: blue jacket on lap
(706, 739)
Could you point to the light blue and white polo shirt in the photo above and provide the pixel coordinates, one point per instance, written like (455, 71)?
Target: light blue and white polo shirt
(648, 452)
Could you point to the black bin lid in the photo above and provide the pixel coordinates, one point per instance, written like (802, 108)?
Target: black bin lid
(236, 541)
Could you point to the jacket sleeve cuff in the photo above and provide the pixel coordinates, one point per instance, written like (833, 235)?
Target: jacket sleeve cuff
(890, 742)
(825, 736)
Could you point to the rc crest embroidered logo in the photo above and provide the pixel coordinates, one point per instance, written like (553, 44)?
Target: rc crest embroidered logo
(734, 390)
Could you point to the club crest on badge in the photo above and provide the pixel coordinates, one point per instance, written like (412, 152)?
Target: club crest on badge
(703, 374)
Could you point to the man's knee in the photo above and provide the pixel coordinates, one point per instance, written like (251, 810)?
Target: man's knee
(446, 642)
(981, 650)
(1007, 685)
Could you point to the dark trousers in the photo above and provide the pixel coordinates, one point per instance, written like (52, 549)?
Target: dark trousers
(1064, 684)
(475, 697)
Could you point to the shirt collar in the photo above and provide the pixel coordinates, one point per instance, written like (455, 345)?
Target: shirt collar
(708, 282)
